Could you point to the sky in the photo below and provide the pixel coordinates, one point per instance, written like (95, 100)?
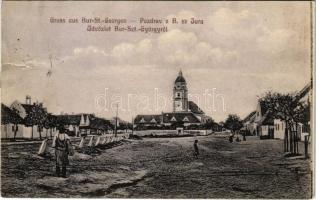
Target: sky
(241, 51)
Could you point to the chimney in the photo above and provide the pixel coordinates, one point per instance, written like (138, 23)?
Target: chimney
(28, 100)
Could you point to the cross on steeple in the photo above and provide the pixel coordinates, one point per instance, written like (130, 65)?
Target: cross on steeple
(180, 72)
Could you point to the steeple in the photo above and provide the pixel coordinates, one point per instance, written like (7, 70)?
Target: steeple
(180, 94)
(180, 78)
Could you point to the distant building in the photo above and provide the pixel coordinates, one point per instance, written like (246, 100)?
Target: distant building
(185, 112)
(260, 122)
(34, 116)
(248, 123)
(84, 124)
(31, 121)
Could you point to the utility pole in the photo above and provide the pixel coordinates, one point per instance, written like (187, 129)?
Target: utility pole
(115, 131)
(132, 125)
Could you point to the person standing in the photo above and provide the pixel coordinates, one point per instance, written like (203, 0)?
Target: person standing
(231, 136)
(196, 149)
(62, 145)
(244, 135)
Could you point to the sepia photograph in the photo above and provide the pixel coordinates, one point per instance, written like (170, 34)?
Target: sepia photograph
(161, 99)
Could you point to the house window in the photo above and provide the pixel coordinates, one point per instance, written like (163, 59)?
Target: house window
(185, 119)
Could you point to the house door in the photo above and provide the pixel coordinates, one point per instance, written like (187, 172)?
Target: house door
(271, 133)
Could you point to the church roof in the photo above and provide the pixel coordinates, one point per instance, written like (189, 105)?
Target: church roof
(187, 117)
(180, 78)
(147, 119)
(195, 108)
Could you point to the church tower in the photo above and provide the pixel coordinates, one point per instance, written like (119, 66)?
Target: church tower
(180, 94)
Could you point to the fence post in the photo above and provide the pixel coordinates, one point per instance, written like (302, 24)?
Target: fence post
(104, 140)
(90, 142)
(306, 146)
(285, 140)
(98, 141)
(81, 143)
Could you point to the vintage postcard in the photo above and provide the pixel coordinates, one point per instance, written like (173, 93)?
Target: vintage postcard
(162, 99)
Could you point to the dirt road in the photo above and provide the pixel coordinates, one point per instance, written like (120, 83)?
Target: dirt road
(162, 168)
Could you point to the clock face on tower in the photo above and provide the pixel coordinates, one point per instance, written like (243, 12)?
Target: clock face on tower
(178, 105)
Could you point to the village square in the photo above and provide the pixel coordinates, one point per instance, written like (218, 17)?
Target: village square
(153, 156)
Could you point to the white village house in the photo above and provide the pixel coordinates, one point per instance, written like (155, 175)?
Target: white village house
(261, 123)
(305, 96)
(25, 127)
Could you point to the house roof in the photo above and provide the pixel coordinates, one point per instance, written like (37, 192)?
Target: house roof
(180, 117)
(29, 107)
(148, 119)
(119, 120)
(69, 119)
(304, 91)
(195, 108)
(9, 116)
(249, 117)
(95, 122)
(99, 123)
(267, 119)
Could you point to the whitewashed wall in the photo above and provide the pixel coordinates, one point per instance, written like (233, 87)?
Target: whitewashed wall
(171, 132)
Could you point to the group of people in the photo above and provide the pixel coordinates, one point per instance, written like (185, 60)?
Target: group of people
(232, 135)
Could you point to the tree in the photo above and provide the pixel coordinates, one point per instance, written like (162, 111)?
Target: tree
(288, 108)
(209, 124)
(50, 122)
(10, 116)
(233, 123)
(36, 116)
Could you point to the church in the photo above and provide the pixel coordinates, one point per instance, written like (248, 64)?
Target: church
(185, 113)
